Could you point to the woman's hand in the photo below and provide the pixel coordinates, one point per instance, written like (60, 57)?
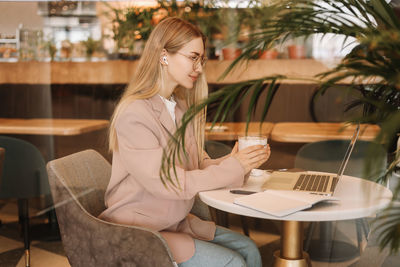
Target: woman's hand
(251, 157)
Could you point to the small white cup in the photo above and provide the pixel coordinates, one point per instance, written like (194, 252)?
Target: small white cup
(252, 140)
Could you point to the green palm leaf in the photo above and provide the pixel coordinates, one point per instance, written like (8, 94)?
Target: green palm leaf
(375, 30)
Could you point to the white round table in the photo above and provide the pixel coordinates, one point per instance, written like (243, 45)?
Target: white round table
(358, 198)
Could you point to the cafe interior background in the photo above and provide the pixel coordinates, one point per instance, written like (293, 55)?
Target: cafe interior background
(72, 59)
(67, 62)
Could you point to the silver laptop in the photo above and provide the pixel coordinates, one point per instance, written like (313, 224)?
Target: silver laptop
(313, 182)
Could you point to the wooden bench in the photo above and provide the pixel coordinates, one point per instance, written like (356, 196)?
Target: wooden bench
(63, 127)
(229, 131)
(307, 132)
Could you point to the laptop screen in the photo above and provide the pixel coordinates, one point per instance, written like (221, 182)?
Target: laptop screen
(348, 151)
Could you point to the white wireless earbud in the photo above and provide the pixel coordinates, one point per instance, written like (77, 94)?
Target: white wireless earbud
(165, 60)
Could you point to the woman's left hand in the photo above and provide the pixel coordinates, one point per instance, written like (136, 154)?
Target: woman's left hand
(251, 157)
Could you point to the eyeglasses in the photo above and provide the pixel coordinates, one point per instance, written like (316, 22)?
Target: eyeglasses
(196, 60)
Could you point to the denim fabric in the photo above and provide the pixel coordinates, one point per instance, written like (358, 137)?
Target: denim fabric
(228, 248)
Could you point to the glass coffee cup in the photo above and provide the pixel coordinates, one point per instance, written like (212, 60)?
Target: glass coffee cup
(252, 140)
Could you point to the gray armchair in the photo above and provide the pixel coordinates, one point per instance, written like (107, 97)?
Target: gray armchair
(78, 183)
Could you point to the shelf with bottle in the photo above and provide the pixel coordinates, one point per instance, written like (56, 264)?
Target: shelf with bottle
(67, 8)
(9, 47)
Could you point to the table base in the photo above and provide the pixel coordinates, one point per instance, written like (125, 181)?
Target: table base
(291, 253)
(281, 262)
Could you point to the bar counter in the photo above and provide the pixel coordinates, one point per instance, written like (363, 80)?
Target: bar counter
(120, 71)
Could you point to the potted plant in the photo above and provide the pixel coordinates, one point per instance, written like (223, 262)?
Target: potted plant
(252, 21)
(296, 49)
(91, 46)
(131, 27)
(230, 23)
(204, 15)
(51, 49)
(375, 58)
(268, 54)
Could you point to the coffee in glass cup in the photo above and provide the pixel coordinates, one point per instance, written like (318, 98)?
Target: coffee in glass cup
(252, 140)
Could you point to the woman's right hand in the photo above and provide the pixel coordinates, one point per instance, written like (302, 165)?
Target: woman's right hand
(251, 157)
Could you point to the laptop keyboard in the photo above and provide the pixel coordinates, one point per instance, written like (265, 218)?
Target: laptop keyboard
(314, 182)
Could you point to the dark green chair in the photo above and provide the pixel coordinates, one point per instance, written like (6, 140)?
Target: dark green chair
(327, 156)
(216, 149)
(24, 176)
(2, 151)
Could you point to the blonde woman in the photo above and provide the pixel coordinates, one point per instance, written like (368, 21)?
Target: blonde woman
(170, 77)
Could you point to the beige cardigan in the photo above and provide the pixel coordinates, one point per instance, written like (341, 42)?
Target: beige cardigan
(135, 194)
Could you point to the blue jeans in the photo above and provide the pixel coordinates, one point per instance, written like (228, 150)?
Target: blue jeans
(228, 248)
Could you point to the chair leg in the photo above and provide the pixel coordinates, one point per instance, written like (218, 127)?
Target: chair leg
(365, 227)
(245, 225)
(309, 234)
(257, 223)
(359, 228)
(24, 217)
(222, 218)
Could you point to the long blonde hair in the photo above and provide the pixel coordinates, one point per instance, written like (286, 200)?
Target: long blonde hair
(170, 34)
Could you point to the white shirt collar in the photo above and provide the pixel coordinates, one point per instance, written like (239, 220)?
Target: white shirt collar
(170, 105)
